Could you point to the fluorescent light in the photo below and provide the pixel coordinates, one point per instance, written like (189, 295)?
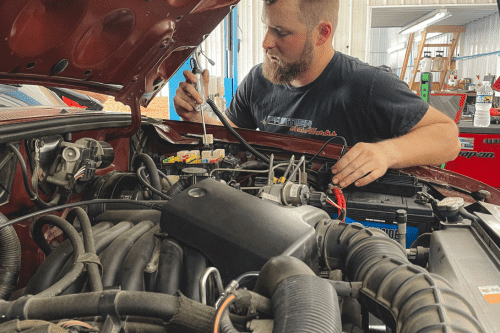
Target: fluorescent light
(425, 21)
(395, 48)
(428, 36)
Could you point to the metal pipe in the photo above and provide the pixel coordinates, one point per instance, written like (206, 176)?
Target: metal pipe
(203, 283)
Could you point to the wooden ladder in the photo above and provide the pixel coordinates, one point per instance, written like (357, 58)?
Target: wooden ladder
(456, 30)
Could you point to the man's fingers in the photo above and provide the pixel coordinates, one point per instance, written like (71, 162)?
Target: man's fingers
(355, 170)
(182, 104)
(189, 91)
(372, 176)
(189, 76)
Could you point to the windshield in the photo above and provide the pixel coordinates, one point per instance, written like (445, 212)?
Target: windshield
(12, 96)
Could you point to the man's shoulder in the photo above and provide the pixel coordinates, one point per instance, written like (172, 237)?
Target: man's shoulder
(360, 71)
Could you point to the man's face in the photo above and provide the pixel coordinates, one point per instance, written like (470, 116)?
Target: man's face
(288, 44)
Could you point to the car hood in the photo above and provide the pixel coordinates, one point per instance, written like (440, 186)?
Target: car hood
(128, 49)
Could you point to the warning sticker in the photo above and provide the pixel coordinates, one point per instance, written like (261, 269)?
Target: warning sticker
(467, 143)
(491, 294)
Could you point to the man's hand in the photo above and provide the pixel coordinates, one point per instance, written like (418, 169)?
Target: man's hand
(186, 97)
(363, 163)
(432, 141)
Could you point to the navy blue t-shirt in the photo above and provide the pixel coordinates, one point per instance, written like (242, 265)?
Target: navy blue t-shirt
(350, 98)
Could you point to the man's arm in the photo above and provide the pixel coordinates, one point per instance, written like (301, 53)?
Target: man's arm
(432, 141)
(186, 98)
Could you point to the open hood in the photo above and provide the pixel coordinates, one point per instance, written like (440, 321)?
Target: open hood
(128, 49)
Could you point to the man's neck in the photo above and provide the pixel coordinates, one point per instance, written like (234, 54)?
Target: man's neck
(322, 59)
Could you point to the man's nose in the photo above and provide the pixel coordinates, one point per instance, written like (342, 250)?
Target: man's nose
(268, 42)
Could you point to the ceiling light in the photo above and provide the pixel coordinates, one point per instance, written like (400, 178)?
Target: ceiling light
(425, 21)
(427, 37)
(395, 48)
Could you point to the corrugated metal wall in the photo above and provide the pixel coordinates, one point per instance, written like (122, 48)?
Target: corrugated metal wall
(251, 34)
(482, 36)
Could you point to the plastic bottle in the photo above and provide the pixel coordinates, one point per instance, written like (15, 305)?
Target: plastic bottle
(484, 97)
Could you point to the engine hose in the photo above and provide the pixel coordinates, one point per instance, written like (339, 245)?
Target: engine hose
(38, 236)
(88, 243)
(33, 196)
(302, 301)
(153, 172)
(131, 274)
(182, 314)
(170, 267)
(238, 137)
(102, 241)
(406, 297)
(10, 259)
(112, 258)
(47, 273)
(177, 188)
(78, 251)
(141, 176)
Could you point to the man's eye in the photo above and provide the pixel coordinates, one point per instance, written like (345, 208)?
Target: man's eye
(281, 33)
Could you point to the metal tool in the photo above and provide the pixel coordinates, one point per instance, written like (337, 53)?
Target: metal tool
(200, 88)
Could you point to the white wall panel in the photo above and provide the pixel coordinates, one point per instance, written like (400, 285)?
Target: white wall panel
(251, 34)
(213, 47)
(481, 36)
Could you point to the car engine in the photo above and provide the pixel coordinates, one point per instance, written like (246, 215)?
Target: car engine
(183, 238)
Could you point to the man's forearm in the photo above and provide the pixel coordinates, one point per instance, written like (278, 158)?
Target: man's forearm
(429, 145)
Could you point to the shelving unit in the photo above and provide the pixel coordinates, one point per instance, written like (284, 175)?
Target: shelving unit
(456, 30)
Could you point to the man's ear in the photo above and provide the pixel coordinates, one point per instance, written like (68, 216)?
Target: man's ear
(324, 33)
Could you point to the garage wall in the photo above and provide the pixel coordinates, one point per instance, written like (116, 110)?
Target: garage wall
(251, 35)
(481, 37)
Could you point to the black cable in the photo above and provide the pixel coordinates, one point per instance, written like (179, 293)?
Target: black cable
(89, 245)
(231, 130)
(151, 205)
(78, 251)
(342, 152)
(153, 174)
(145, 183)
(33, 196)
(164, 176)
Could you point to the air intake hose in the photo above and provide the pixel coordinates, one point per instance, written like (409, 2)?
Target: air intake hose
(10, 258)
(302, 302)
(406, 297)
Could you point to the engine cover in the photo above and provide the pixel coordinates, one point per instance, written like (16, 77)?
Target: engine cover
(237, 231)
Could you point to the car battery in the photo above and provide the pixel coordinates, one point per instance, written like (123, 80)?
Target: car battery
(378, 210)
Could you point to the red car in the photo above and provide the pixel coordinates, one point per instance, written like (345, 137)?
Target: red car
(115, 222)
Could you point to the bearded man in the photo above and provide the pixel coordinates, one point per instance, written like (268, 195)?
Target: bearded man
(305, 88)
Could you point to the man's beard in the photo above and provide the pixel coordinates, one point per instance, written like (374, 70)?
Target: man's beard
(279, 72)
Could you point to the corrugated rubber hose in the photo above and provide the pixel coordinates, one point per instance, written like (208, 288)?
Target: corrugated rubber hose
(10, 259)
(406, 297)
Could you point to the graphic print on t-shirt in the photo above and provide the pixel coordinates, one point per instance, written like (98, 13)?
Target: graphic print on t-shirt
(297, 125)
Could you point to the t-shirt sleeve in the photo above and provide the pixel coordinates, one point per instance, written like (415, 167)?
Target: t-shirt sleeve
(395, 109)
(239, 110)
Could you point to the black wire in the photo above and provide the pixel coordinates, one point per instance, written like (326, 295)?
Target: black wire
(164, 176)
(151, 205)
(145, 183)
(33, 196)
(231, 130)
(342, 152)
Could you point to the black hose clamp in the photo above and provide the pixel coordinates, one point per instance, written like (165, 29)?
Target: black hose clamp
(19, 308)
(90, 258)
(107, 310)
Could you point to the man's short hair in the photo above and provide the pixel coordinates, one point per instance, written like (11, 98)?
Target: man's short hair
(314, 11)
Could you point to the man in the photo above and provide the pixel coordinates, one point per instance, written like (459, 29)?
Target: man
(306, 88)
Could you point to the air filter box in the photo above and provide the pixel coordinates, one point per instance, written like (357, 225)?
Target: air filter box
(237, 231)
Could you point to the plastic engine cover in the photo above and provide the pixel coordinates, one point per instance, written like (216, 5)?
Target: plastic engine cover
(237, 231)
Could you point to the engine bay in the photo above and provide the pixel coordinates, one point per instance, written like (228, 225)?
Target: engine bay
(147, 235)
